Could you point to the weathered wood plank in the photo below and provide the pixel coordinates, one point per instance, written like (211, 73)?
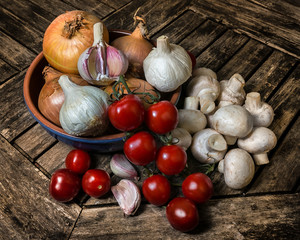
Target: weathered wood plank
(15, 27)
(116, 4)
(287, 8)
(181, 27)
(270, 74)
(262, 217)
(245, 60)
(14, 116)
(202, 37)
(97, 7)
(26, 209)
(35, 141)
(273, 29)
(14, 53)
(51, 9)
(6, 71)
(31, 14)
(284, 162)
(218, 53)
(123, 19)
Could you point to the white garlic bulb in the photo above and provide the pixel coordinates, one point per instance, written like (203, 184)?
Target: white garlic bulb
(84, 112)
(168, 66)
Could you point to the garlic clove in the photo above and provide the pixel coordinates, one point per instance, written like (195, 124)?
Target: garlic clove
(101, 64)
(128, 196)
(121, 167)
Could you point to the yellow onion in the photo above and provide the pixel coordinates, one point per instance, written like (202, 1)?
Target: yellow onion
(136, 48)
(67, 37)
(51, 96)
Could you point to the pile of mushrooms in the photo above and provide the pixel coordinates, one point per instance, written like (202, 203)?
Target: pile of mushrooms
(222, 124)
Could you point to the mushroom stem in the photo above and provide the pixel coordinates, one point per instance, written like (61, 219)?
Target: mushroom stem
(191, 103)
(221, 166)
(261, 159)
(230, 140)
(216, 142)
(253, 100)
(207, 102)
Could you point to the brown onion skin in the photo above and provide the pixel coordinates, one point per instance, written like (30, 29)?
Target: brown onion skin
(136, 48)
(64, 42)
(51, 96)
(136, 85)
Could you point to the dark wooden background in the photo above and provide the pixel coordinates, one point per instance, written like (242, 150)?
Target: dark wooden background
(258, 39)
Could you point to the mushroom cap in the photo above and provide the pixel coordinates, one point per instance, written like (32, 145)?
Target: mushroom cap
(232, 120)
(208, 146)
(191, 120)
(239, 168)
(260, 140)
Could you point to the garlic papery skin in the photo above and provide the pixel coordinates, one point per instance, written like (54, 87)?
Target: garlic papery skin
(232, 91)
(262, 113)
(84, 111)
(204, 86)
(101, 64)
(167, 66)
(208, 146)
(121, 167)
(128, 196)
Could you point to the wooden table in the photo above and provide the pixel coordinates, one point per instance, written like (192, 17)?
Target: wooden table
(258, 39)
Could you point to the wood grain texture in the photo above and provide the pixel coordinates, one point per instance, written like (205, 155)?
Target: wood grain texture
(245, 61)
(270, 74)
(6, 70)
(96, 7)
(220, 51)
(14, 116)
(26, 209)
(234, 218)
(35, 141)
(260, 23)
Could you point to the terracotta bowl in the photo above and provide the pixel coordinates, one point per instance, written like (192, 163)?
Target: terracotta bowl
(33, 83)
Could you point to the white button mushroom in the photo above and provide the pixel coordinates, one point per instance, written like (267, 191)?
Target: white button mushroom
(232, 91)
(205, 86)
(260, 141)
(261, 112)
(208, 146)
(238, 168)
(190, 118)
(233, 121)
(181, 137)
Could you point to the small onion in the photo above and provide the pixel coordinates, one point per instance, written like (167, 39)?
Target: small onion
(67, 37)
(136, 47)
(51, 96)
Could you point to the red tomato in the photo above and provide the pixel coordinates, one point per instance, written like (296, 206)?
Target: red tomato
(157, 190)
(78, 161)
(162, 117)
(64, 185)
(127, 114)
(140, 149)
(182, 214)
(171, 159)
(96, 182)
(197, 187)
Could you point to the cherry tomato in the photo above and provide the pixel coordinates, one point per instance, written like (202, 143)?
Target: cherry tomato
(182, 214)
(78, 161)
(197, 187)
(140, 149)
(171, 159)
(127, 114)
(96, 182)
(162, 117)
(64, 185)
(157, 190)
